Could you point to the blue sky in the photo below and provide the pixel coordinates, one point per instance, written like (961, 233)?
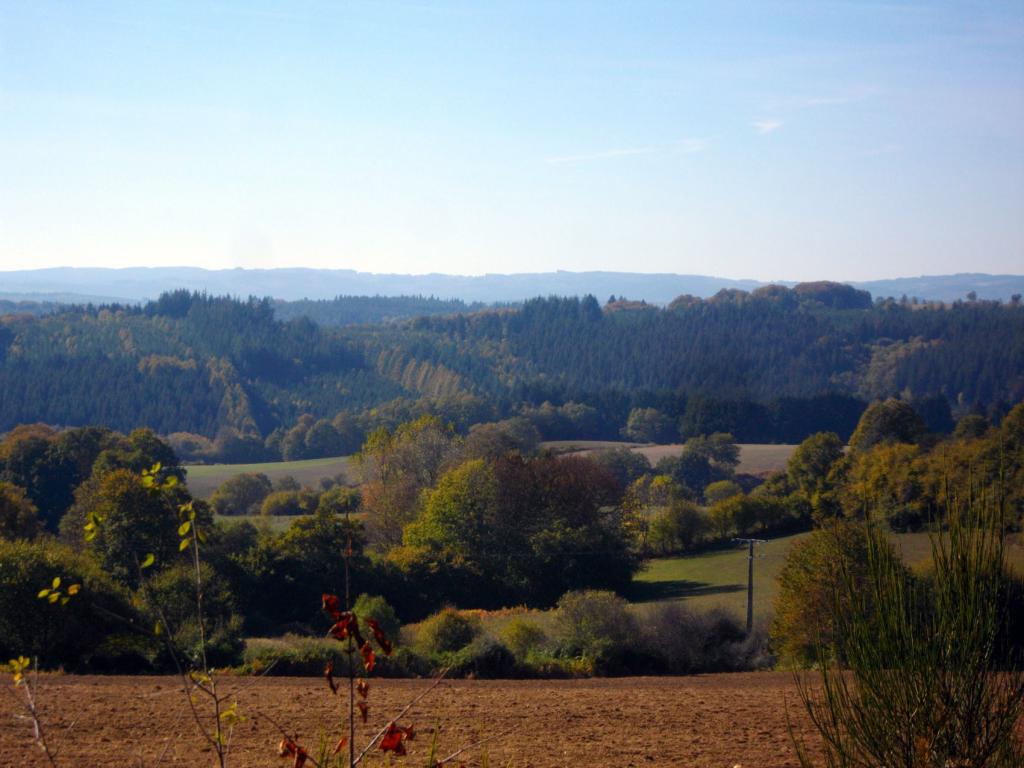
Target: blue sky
(769, 140)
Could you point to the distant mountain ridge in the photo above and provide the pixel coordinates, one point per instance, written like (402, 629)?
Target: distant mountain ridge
(135, 284)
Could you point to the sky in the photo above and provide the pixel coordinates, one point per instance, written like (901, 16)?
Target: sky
(767, 140)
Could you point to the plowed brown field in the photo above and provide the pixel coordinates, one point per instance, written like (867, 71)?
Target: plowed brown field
(713, 720)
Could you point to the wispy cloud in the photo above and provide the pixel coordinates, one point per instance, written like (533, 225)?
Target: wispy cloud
(607, 154)
(765, 127)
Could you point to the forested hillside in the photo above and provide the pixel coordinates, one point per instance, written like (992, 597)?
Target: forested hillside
(363, 310)
(773, 365)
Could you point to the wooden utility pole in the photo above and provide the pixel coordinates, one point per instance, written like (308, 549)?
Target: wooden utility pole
(750, 578)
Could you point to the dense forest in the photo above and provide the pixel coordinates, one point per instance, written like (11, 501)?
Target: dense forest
(231, 379)
(366, 310)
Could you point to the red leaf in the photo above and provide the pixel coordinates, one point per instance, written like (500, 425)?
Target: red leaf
(346, 626)
(391, 741)
(362, 688)
(364, 709)
(380, 637)
(369, 658)
(410, 732)
(288, 748)
(329, 674)
(340, 745)
(332, 605)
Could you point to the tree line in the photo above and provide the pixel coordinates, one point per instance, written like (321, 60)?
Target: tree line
(228, 379)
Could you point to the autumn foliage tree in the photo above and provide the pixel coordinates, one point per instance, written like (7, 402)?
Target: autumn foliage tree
(397, 466)
(803, 624)
(525, 528)
(129, 521)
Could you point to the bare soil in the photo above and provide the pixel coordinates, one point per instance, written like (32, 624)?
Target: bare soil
(712, 720)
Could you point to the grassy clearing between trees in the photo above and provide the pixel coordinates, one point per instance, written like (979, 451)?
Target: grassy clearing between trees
(755, 458)
(204, 479)
(275, 523)
(718, 579)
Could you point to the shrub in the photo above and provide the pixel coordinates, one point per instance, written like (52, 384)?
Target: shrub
(377, 608)
(594, 625)
(174, 592)
(447, 631)
(484, 657)
(242, 494)
(721, 490)
(294, 655)
(921, 683)
(676, 528)
(522, 636)
(808, 582)
(685, 642)
(338, 499)
(284, 503)
(70, 635)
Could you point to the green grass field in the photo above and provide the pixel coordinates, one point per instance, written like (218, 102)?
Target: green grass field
(276, 524)
(755, 458)
(719, 578)
(203, 479)
(716, 579)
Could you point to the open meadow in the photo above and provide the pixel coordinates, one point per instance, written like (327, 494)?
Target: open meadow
(203, 479)
(707, 721)
(755, 458)
(718, 578)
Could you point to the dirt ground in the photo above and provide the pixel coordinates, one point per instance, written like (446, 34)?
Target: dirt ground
(713, 720)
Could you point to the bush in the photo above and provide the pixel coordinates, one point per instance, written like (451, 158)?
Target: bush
(173, 591)
(294, 655)
(595, 626)
(686, 642)
(808, 584)
(447, 631)
(71, 635)
(917, 680)
(377, 608)
(721, 490)
(522, 636)
(284, 503)
(338, 499)
(484, 657)
(676, 528)
(242, 494)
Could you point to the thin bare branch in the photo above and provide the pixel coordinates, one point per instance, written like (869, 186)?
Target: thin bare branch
(396, 718)
(475, 744)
